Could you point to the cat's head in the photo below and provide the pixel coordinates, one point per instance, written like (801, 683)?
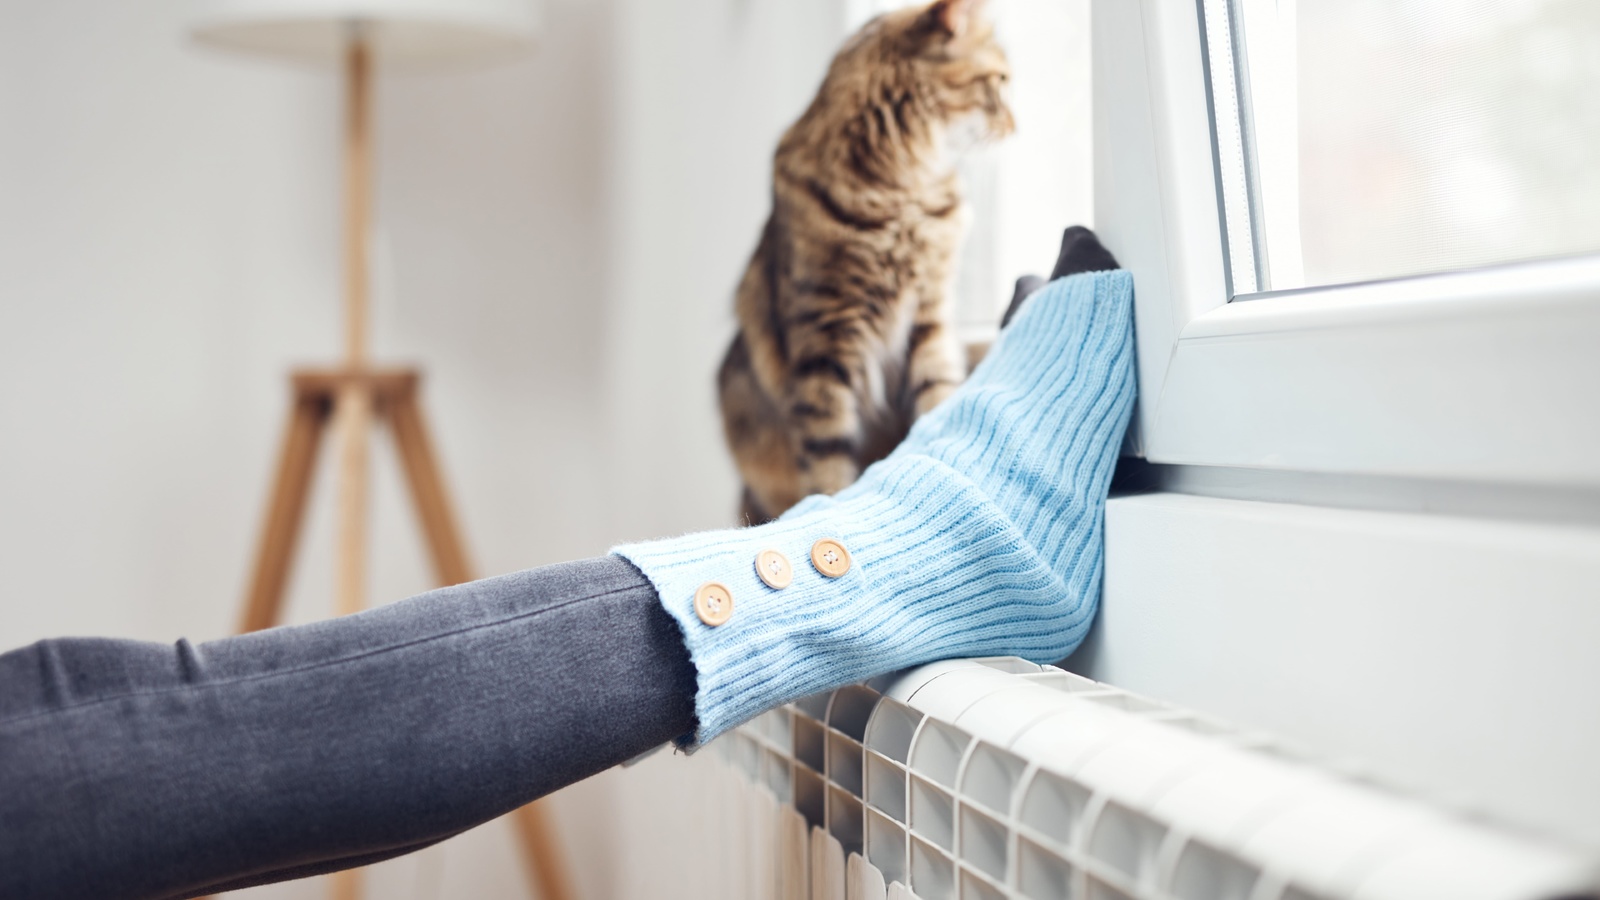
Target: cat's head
(945, 54)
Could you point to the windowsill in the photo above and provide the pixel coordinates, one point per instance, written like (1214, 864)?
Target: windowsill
(1488, 375)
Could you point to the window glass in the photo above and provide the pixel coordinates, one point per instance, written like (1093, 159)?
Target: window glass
(1380, 138)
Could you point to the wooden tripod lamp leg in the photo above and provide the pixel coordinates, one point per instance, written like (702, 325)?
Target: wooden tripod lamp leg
(359, 400)
(353, 412)
(308, 418)
(546, 866)
(428, 490)
(355, 405)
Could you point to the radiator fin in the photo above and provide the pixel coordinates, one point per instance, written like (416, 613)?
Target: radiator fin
(1002, 780)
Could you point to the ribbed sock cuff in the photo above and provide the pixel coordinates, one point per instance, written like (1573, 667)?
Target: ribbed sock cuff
(937, 572)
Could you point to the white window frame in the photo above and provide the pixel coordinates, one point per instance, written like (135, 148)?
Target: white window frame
(1481, 376)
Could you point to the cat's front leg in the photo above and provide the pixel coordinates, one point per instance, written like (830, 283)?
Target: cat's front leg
(936, 364)
(830, 474)
(825, 418)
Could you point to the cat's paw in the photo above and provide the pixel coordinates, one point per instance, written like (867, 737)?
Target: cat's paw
(832, 474)
(933, 396)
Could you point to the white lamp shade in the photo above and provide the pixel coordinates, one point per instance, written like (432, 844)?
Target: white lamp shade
(399, 31)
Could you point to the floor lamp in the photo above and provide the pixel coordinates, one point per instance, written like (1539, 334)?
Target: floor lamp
(360, 35)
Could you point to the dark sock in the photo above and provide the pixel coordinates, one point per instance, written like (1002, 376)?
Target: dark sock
(1026, 285)
(1081, 251)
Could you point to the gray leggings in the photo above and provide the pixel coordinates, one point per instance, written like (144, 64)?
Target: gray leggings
(134, 770)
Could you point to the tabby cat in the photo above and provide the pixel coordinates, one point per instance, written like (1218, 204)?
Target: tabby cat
(844, 314)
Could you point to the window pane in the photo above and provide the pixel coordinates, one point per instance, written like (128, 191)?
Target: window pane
(1397, 137)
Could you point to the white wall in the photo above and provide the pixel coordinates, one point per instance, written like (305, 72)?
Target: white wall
(167, 253)
(705, 89)
(165, 245)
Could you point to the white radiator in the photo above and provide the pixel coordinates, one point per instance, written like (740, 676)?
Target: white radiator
(991, 779)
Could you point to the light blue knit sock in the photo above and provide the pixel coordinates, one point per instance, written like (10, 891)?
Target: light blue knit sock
(980, 534)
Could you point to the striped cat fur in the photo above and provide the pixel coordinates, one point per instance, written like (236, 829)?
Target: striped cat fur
(844, 312)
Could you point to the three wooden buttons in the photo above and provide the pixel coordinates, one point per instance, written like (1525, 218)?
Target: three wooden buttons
(713, 602)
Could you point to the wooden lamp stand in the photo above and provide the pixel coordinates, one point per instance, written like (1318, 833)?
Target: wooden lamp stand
(355, 396)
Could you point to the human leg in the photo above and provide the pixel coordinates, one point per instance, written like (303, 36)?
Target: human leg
(130, 769)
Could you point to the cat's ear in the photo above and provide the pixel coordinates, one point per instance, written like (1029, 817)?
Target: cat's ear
(955, 17)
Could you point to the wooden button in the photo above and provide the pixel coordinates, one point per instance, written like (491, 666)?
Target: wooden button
(773, 568)
(713, 603)
(830, 557)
